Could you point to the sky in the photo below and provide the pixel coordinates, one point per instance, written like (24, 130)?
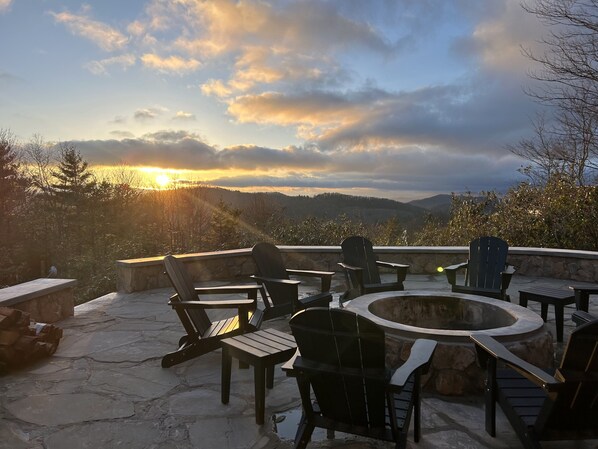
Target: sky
(402, 99)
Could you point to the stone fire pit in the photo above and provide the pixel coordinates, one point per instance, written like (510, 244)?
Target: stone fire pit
(450, 318)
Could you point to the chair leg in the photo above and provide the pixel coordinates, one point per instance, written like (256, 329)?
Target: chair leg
(490, 396)
(225, 376)
(182, 355)
(304, 431)
(416, 412)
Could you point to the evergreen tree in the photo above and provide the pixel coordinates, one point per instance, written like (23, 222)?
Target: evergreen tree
(74, 181)
(13, 188)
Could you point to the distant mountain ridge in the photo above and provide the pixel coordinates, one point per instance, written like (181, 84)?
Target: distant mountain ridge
(440, 204)
(328, 206)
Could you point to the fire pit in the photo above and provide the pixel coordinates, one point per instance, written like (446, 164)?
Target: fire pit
(450, 318)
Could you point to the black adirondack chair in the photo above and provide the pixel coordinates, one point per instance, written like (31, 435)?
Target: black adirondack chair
(280, 293)
(487, 271)
(539, 406)
(341, 360)
(204, 335)
(361, 269)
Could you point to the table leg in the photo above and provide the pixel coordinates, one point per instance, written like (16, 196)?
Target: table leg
(544, 312)
(226, 371)
(582, 300)
(522, 300)
(270, 377)
(558, 313)
(260, 392)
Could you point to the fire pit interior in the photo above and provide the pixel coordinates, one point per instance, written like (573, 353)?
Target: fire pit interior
(450, 318)
(442, 312)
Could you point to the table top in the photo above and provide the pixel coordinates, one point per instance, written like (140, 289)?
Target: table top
(548, 292)
(591, 289)
(262, 343)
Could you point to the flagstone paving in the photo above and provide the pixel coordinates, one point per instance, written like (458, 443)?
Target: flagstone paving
(104, 388)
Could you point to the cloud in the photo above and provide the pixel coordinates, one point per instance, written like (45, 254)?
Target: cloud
(169, 64)
(308, 167)
(5, 6)
(499, 38)
(184, 116)
(149, 113)
(8, 78)
(104, 36)
(476, 115)
(122, 134)
(101, 67)
(216, 88)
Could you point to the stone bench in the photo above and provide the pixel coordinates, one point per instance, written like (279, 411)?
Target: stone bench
(46, 300)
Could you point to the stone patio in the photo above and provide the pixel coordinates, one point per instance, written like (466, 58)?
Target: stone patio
(104, 388)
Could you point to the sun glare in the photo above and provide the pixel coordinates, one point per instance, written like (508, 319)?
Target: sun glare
(163, 180)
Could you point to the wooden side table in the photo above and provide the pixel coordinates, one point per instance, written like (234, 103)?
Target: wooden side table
(549, 296)
(582, 295)
(263, 349)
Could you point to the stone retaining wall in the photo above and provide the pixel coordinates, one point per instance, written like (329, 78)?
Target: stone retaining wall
(148, 273)
(45, 300)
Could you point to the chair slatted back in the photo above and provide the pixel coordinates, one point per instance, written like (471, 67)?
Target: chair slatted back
(487, 259)
(183, 285)
(269, 261)
(342, 355)
(575, 408)
(359, 252)
(269, 264)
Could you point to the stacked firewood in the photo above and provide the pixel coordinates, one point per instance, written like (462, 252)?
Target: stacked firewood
(23, 341)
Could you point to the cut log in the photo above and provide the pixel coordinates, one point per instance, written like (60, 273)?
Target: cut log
(23, 341)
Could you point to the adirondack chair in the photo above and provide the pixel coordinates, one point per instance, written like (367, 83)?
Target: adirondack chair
(361, 269)
(280, 293)
(487, 270)
(204, 335)
(541, 407)
(340, 359)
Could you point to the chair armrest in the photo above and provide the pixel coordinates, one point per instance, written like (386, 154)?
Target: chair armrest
(419, 358)
(496, 350)
(456, 266)
(287, 366)
(250, 289)
(399, 267)
(349, 267)
(580, 317)
(228, 304)
(506, 276)
(326, 276)
(451, 271)
(275, 280)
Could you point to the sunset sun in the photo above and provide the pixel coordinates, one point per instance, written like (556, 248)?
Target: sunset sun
(163, 180)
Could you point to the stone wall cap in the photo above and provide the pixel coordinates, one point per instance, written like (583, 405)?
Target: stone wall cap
(33, 289)
(528, 251)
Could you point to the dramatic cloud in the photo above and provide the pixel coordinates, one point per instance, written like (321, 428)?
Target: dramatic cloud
(415, 169)
(381, 94)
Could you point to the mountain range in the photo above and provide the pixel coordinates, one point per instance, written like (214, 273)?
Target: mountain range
(331, 205)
